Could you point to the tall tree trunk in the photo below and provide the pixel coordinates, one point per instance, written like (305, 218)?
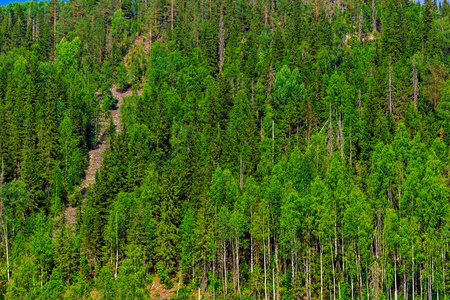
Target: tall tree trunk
(412, 272)
(179, 281)
(278, 271)
(171, 14)
(352, 288)
(334, 274)
(330, 135)
(390, 100)
(210, 9)
(214, 276)
(117, 250)
(430, 289)
(225, 267)
(266, 12)
(233, 247)
(360, 25)
(309, 271)
(2, 175)
(5, 234)
(293, 272)
(374, 16)
(265, 271)
(273, 140)
(55, 5)
(360, 274)
(415, 83)
(341, 135)
(273, 283)
(405, 294)
(251, 245)
(350, 151)
(241, 173)
(221, 38)
(321, 272)
(421, 285)
(431, 278)
(395, 276)
(443, 271)
(237, 267)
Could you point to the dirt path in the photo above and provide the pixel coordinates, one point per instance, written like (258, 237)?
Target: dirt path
(159, 292)
(96, 154)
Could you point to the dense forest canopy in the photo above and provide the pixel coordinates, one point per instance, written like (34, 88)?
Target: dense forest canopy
(269, 150)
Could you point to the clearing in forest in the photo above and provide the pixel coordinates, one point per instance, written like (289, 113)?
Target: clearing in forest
(96, 154)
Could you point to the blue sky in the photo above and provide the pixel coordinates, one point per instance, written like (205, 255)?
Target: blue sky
(6, 2)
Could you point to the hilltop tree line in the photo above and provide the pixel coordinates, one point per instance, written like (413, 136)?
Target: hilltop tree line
(279, 150)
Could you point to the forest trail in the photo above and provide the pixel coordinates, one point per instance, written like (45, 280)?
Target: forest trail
(96, 154)
(159, 292)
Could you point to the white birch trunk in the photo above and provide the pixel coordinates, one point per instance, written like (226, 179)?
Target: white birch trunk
(395, 276)
(225, 267)
(265, 272)
(5, 233)
(321, 273)
(412, 272)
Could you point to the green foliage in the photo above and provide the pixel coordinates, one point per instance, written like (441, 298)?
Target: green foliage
(311, 161)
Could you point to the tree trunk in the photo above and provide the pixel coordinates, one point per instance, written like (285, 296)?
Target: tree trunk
(430, 279)
(341, 135)
(405, 294)
(273, 283)
(210, 9)
(179, 281)
(351, 147)
(237, 267)
(171, 14)
(443, 271)
(225, 267)
(5, 233)
(412, 272)
(293, 272)
(374, 16)
(3, 172)
(273, 140)
(334, 274)
(251, 245)
(395, 276)
(241, 173)
(421, 286)
(117, 251)
(352, 288)
(266, 12)
(360, 274)
(330, 135)
(54, 24)
(233, 247)
(360, 26)
(390, 88)
(415, 83)
(278, 272)
(309, 272)
(321, 273)
(214, 276)
(265, 271)
(221, 38)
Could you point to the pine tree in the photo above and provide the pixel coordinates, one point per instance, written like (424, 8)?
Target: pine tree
(166, 240)
(430, 46)
(48, 132)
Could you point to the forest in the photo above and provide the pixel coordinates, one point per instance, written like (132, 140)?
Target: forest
(264, 149)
